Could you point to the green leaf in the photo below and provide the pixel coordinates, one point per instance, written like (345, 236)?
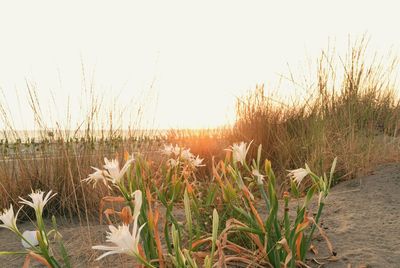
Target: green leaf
(309, 195)
(294, 189)
(211, 194)
(249, 219)
(189, 259)
(215, 226)
(64, 255)
(12, 253)
(188, 214)
(63, 250)
(250, 230)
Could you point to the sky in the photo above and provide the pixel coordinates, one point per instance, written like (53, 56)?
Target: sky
(182, 64)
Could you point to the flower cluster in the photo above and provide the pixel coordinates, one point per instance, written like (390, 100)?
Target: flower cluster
(181, 155)
(38, 202)
(235, 178)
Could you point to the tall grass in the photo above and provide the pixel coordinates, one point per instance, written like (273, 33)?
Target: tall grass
(351, 112)
(58, 156)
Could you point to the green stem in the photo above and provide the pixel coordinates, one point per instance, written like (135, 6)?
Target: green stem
(286, 219)
(264, 194)
(308, 241)
(143, 261)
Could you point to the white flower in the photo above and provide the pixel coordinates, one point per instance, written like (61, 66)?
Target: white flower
(96, 177)
(297, 174)
(125, 241)
(8, 219)
(173, 162)
(196, 162)
(181, 155)
(177, 150)
(31, 237)
(259, 176)
(38, 202)
(187, 155)
(239, 151)
(113, 170)
(168, 149)
(138, 202)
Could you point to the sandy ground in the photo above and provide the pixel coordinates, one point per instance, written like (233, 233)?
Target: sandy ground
(361, 219)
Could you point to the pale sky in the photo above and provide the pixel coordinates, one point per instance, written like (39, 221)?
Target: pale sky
(191, 58)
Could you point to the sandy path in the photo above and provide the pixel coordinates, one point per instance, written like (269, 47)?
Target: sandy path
(361, 219)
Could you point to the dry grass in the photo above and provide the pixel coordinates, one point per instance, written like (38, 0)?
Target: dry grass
(352, 112)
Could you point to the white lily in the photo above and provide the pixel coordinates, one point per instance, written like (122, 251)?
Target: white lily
(259, 176)
(38, 202)
(114, 172)
(297, 174)
(177, 150)
(125, 241)
(31, 237)
(96, 177)
(197, 162)
(168, 150)
(138, 203)
(173, 162)
(187, 155)
(8, 219)
(239, 151)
